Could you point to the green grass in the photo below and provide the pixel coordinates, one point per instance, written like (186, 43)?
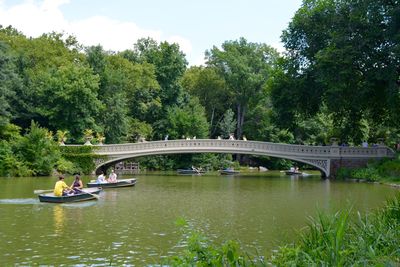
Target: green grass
(341, 239)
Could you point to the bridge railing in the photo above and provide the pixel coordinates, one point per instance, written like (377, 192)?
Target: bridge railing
(215, 144)
(241, 146)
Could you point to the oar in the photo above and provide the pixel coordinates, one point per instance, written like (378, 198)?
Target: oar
(195, 169)
(40, 191)
(94, 195)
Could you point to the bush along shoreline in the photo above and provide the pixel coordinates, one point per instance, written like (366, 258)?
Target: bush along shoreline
(385, 171)
(341, 239)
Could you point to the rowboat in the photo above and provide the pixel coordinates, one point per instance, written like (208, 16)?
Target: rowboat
(190, 171)
(119, 183)
(86, 194)
(228, 172)
(293, 173)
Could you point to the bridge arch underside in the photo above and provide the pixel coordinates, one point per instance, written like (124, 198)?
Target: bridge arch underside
(319, 163)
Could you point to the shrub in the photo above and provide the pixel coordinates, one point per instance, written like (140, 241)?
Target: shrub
(200, 251)
(369, 174)
(82, 157)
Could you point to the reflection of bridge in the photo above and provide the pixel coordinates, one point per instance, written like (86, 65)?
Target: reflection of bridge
(325, 158)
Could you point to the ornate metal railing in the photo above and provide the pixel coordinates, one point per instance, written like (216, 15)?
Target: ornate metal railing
(240, 146)
(318, 156)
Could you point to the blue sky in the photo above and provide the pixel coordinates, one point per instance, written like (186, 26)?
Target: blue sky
(117, 24)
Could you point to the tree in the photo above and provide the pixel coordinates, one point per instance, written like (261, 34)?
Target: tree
(206, 84)
(228, 124)
(68, 99)
(115, 119)
(138, 129)
(40, 62)
(246, 68)
(38, 150)
(170, 64)
(128, 90)
(9, 80)
(188, 121)
(344, 55)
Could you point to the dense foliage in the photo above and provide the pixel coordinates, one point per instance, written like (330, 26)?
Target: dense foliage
(339, 77)
(376, 171)
(343, 58)
(370, 240)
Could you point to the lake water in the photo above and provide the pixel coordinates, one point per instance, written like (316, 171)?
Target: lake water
(137, 226)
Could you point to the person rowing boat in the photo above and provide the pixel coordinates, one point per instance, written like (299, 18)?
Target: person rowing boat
(77, 185)
(61, 188)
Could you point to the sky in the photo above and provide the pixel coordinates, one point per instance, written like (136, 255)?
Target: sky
(196, 26)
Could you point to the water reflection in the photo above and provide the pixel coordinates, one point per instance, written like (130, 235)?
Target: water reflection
(59, 219)
(111, 196)
(136, 226)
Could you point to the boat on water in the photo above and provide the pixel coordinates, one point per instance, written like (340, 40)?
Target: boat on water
(190, 171)
(228, 171)
(119, 183)
(293, 173)
(86, 194)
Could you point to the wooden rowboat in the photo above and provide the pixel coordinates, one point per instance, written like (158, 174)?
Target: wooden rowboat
(86, 194)
(293, 173)
(190, 171)
(228, 172)
(120, 183)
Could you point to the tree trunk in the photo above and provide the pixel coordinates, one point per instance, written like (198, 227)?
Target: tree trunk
(240, 120)
(238, 126)
(239, 131)
(212, 130)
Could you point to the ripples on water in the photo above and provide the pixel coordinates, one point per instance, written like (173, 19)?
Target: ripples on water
(20, 201)
(136, 226)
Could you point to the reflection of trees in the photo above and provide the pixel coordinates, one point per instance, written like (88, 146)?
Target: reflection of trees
(59, 218)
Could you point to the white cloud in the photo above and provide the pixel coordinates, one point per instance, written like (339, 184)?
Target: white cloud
(279, 47)
(111, 34)
(184, 44)
(34, 17)
(199, 61)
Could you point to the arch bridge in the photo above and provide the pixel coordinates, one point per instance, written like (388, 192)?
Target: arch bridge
(327, 159)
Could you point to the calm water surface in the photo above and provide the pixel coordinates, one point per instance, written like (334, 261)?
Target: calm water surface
(136, 226)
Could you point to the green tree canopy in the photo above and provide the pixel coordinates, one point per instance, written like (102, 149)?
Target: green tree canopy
(343, 55)
(189, 121)
(170, 64)
(68, 99)
(246, 67)
(208, 85)
(9, 81)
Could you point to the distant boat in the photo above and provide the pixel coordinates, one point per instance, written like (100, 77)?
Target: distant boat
(228, 171)
(119, 183)
(190, 171)
(262, 169)
(86, 194)
(293, 173)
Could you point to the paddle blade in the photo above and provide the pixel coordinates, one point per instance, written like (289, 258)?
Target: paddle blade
(39, 191)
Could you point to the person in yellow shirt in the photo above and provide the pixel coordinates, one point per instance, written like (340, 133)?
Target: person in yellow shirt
(61, 188)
